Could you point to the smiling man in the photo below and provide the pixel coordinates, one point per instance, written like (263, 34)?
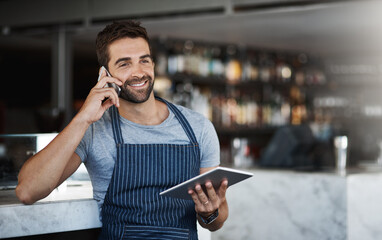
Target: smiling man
(134, 146)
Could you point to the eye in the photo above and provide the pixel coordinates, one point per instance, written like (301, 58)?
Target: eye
(125, 64)
(146, 61)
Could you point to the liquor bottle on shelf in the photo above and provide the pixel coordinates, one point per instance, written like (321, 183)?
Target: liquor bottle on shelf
(250, 67)
(203, 64)
(160, 54)
(298, 63)
(299, 77)
(233, 68)
(216, 66)
(200, 102)
(190, 58)
(172, 60)
(315, 76)
(266, 67)
(248, 112)
(283, 70)
(299, 112)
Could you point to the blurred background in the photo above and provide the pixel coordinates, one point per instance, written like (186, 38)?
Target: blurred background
(250, 66)
(291, 86)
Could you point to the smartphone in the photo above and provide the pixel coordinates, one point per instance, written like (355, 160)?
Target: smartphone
(113, 85)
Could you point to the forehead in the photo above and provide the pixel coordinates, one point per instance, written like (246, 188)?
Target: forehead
(128, 47)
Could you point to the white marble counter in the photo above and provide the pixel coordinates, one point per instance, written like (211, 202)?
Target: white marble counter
(275, 205)
(365, 205)
(69, 208)
(270, 205)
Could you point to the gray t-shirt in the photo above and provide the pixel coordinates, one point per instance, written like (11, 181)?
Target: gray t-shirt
(98, 151)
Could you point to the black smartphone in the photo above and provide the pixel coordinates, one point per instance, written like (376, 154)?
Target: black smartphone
(113, 85)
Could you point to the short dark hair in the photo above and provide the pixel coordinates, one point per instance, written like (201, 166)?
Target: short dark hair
(116, 31)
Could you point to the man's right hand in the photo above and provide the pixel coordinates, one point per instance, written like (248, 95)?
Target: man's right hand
(99, 99)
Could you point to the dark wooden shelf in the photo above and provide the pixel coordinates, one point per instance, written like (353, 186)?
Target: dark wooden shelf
(246, 131)
(221, 81)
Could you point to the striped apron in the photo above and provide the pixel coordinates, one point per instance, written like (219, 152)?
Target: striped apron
(133, 208)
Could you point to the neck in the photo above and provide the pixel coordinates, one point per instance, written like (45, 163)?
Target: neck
(151, 112)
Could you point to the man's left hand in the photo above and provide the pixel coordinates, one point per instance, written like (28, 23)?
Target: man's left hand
(206, 203)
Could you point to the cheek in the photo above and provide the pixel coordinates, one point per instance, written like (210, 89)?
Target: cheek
(152, 74)
(123, 76)
(148, 70)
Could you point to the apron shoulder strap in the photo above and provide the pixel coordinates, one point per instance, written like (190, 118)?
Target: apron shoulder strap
(185, 125)
(182, 120)
(115, 121)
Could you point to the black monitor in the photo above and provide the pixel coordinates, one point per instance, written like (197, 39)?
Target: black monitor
(290, 147)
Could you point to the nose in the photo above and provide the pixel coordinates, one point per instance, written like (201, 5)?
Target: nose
(137, 71)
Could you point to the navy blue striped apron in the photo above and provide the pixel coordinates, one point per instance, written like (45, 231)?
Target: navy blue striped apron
(133, 208)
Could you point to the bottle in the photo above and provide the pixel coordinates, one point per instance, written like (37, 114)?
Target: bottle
(283, 70)
(266, 67)
(233, 68)
(216, 65)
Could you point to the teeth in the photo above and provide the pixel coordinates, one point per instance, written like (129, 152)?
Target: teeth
(138, 85)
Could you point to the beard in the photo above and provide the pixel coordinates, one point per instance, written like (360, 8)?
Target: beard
(137, 96)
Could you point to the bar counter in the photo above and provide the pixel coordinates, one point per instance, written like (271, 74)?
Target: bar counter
(273, 204)
(276, 204)
(69, 208)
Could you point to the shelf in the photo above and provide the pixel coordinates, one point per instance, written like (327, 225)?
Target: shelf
(245, 131)
(198, 80)
(220, 81)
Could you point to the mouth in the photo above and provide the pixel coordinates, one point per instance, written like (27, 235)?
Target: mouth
(137, 85)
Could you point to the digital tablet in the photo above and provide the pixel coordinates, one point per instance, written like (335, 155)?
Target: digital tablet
(216, 175)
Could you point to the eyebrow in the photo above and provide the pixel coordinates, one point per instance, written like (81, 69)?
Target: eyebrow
(129, 58)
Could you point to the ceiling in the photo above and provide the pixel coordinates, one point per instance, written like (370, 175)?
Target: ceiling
(323, 29)
(329, 28)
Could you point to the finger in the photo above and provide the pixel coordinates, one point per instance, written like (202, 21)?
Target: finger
(205, 204)
(202, 196)
(106, 93)
(104, 77)
(102, 72)
(211, 191)
(107, 104)
(223, 189)
(113, 96)
(194, 197)
(102, 82)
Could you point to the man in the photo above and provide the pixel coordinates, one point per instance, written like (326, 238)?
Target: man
(134, 146)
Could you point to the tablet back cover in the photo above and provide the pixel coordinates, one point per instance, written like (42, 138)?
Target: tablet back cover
(215, 176)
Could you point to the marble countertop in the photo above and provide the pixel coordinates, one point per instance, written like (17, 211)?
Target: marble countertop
(365, 168)
(71, 207)
(68, 208)
(290, 201)
(70, 190)
(286, 204)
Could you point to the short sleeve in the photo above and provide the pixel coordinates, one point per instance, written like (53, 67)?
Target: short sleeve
(209, 146)
(82, 149)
